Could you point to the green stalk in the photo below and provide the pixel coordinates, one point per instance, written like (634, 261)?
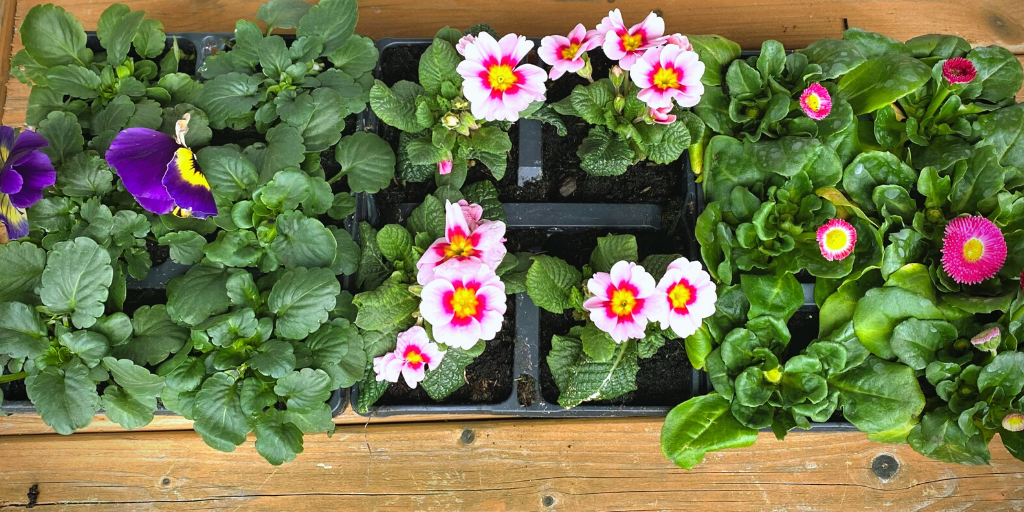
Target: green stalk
(13, 377)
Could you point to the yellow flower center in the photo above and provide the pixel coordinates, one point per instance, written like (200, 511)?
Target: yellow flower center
(665, 78)
(464, 302)
(813, 102)
(1015, 421)
(414, 357)
(679, 295)
(973, 250)
(623, 302)
(569, 52)
(459, 247)
(836, 239)
(773, 375)
(501, 77)
(187, 165)
(631, 43)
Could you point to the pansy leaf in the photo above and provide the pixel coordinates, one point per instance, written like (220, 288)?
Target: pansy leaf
(86, 174)
(197, 295)
(304, 390)
(277, 439)
(23, 265)
(228, 96)
(301, 300)
(219, 418)
(65, 398)
(282, 13)
(303, 242)
(149, 39)
(332, 20)
(155, 336)
(64, 133)
(76, 280)
(357, 56)
(367, 161)
(22, 333)
(52, 36)
(116, 29)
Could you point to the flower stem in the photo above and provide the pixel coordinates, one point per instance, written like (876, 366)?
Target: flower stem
(936, 102)
(336, 177)
(13, 377)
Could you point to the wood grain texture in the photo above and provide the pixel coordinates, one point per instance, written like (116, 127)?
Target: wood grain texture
(585, 465)
(32, 424)
(794, 22)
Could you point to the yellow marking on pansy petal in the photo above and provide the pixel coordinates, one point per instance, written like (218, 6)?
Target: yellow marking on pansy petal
(973, 250)
(569, 52)
(414, 357)
(4, 153)
(464, 302)
(632, 42)
(836, 239)
(501, 77)
(665, 78)
(623, 302)
(460, 247)
(679, 295)
(189, 172)
(813, 102)
(183, 213)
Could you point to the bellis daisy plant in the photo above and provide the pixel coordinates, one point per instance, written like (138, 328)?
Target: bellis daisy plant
(450, 289)
(973, 249)
(836, 239)
(816, 102)
(24, 172)
(637, 112)
(471, 88)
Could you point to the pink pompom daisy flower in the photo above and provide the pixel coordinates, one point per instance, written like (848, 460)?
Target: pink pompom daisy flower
(958, 70)
(466, 239)
(565, 54)
(669, 73)
(414, 353)
(836, 239)
(496, 85)
(690, 295)
(973, 249)
(624, 301)
(626, 45)
(465, 303)
(816, 102)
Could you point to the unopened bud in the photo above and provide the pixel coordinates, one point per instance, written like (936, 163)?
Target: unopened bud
(619, 103)
(450, 121)
(617, 76)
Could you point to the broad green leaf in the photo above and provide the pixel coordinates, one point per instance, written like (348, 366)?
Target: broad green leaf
(357, 56)
(73, 80)
(89, 346)
(396, 106)
(84, 174)
(579, 378)
(332, 20)
(778, 296)
(304, 390)
(235, 249)
(549, 283)
(916, 341)
(716, 52)
(882, 309)
(149, 39)
(700, 425)
(881, 80)
(198, 295)
(878, 396)
(22, 333)
(126, 409)
(23, 265)
(219, 418)
(274, 359)
(386, 309)
(1005, 372)
(186, 247)
(282, 14)
(612, 249)
(155, 337)
(940, 437)
(438, 64)
(835, 56)
(277, 439)
(134, 379)
(231, 175)
(228, 96)
(303, 242)
(116, 29)
(64, 134)
(65, 398)
(367, 161)
(52, 36)
(76, 280)
(604, 153)
(871, 169)
(301, 300)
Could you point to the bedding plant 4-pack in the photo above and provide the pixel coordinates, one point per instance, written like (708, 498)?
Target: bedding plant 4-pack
(240, 232)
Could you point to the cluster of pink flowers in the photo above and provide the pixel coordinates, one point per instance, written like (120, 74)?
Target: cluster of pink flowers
(665, 68)
(463, 299)
(625, 300)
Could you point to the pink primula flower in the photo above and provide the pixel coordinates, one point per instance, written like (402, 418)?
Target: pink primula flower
(624, 301)
(680, 41)
(626, 45)
(669, 73)
(444, 167)
(461, 46)
(565, 54)
(663, 115)
(496, 85)
(410, 358)
(690, 296)
(466, 239)
(464, 303)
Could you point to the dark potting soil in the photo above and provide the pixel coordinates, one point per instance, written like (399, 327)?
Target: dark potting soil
(14, 391)
(488, 378)
(664, 379)
(158, 254)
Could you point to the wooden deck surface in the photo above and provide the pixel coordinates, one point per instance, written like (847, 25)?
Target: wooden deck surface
(423, 463)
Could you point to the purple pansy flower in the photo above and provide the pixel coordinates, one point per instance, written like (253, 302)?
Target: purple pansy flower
(25, 172)
(161, 172)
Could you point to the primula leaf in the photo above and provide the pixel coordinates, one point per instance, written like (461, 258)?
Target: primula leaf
(386, 309)
(605, 153)
(612, 249)
(396, 105)
(76, 280)
(549, 283)
(579, 378)
(450, 375)
(438, 64)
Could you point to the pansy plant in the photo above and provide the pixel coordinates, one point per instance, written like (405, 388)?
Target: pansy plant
(122, 85)
(630, 310)
(435, 293)
(637, 112)
(471, 88)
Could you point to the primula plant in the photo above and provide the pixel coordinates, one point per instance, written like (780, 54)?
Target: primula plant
(471, 88)
(436, 293)
(630, 311)
(637, 111)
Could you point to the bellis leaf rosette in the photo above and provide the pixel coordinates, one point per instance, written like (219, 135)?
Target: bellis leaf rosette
(24, 172)
(627, 45)
(161, 172)
(410, 359)
(624, 301)
(464, 303)
(497, 86)
(467, 238)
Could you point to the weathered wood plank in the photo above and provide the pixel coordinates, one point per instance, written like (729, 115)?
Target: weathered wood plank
(7, 11)
(591, 465)
(32, 424)
(794, 22)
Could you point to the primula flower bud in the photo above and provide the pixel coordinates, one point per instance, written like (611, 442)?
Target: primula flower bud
(450, 121)
(616, 76)
(620, 102)
(460, 104)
